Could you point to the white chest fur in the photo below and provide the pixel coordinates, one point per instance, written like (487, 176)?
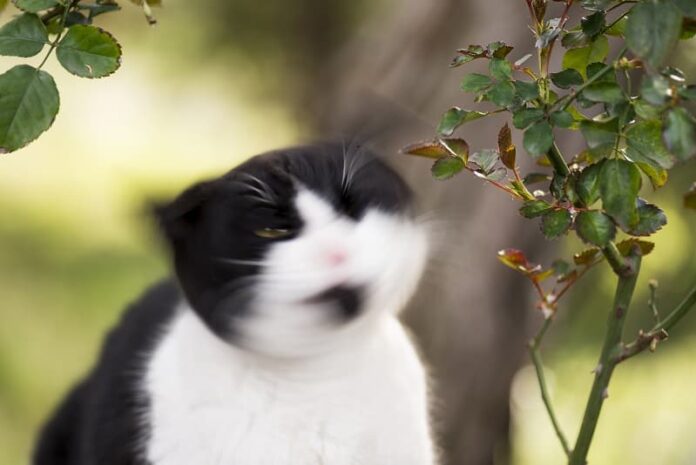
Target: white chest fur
(214, 404)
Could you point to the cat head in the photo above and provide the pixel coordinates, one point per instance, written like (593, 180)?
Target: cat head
(296, 250)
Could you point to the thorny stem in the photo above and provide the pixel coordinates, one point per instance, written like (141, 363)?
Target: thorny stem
(607, 360)
(557, 161)
(616, 260)
(65, 10)
(535, 354)
(659, 331)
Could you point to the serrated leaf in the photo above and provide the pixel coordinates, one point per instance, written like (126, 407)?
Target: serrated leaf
(24, 36)
(502, 94)
(653, 29)
(555, 223)
(650, 219)
(644, 247)
(456, 147)
(567, 78)
(593, 24)
(526, 116)
(658, 176)
(485, 159)
(644, 145)
(618, 29)
(439, 148)
(587, 184)
(579, 58)
(600, 136)
(679, 134)
(455, 117)
(88, 51)
(34, 6)
(28, 105)
(506, 148)
(534, 178)
(534, 208)
(604, 92)
(586, 257)
(575, 39)
(500, 69)
(516, 260)
(445, 168)
(560, 267)
(475, 82)
(561, 119)
(690, 197)
(526, 91)
(619, 184)
(538, 138)
(655, 90)
(646, 110)
(594, 227)
(499, 49)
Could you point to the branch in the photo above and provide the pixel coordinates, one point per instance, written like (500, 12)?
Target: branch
(607, 360)
(535, 354)
(659, 331)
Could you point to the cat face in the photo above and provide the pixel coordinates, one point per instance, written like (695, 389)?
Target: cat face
(296, 251)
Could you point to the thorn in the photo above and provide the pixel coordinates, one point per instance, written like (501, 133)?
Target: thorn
(653, 344)
(597, 370)
(605, 393)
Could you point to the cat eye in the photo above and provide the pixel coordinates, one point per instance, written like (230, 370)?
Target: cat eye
(272, 233)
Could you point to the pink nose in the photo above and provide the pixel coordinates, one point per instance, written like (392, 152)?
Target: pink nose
(336, 257)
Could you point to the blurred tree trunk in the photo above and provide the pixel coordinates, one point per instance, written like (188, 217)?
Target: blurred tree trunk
(471, 314)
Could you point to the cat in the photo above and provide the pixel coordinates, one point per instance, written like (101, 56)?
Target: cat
(277, 342)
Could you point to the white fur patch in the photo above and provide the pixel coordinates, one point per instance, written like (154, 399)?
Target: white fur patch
(304, 388)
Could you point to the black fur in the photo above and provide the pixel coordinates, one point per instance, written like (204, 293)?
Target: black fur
(103, 421)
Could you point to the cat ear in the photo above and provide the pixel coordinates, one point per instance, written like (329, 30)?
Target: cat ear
(177, 218)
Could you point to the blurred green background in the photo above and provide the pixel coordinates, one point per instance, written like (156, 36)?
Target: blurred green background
(197, 95)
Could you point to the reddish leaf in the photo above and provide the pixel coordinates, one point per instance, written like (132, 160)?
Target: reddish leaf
(506, 147)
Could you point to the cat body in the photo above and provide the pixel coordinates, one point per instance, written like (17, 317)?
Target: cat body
(278, 343)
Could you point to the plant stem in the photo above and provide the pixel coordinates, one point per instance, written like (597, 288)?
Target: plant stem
(535, 354)
(607, 360)
(659, 331)
(557, 161)
(615, 259)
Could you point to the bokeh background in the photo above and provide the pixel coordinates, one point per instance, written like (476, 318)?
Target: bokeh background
(217, 81)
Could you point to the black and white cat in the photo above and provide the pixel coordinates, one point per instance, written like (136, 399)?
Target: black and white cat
(279, 342)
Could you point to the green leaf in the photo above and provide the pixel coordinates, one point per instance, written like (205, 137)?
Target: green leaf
(600, 135)
(594, 227)
(680, 134)
(688, 7)
(455, 117)
(593, 24)
(34, 6)
(24, 36)
(502, 94)
(657, 175)
(498, 49)
(535, 178)
(644, 145)
(626, 246)
(562, 119)
(579, 58)
(688, 92)
(88, 51)
(646, 110)
(690, 197)
(653, 29)
(534, 208)
(587, 184)
(619, 184)
(526, 116)
(575, 39)
(526, 91)
(567, 78)
(485, 159)
(476, 82)
(555, 223)
(445, 168)
(456, 147)
(618, 29)
(605, 92)
(28, 105)
(507, 149)
(500, 69)
(650, 220)
(655, 90)
(585, 257)
(538, 138)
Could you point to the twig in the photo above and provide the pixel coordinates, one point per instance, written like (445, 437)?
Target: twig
(535, 354)
(659, 331)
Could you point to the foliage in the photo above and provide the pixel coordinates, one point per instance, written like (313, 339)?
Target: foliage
(632, 112)
(29, 99)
